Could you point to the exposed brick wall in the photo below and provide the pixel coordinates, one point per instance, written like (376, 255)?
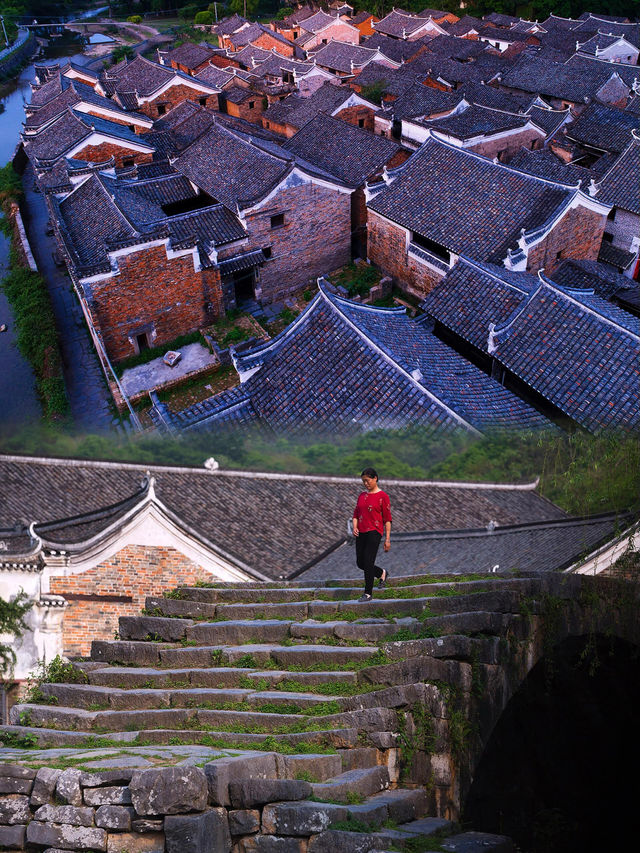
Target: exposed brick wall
(268, 42)
(315, 238)
(354, 115)
(102, 152)
(339, 31)
(508, 146)
(152, 294)
(386, 248)
(174, 96)
(135, 572)
(246, 111)
(577, 235)
(624, 228)
(287, 130)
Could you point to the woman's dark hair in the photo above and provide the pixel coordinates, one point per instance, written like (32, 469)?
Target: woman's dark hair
(369, 472)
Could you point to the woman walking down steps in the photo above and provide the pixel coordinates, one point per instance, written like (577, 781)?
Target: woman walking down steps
(371, 519)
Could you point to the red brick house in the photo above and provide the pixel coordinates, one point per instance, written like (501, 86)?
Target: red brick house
(188, 58)
(153, 89)
(446, 202)
(295, 111)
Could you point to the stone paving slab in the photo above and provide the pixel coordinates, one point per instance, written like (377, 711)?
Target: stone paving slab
(144, 377)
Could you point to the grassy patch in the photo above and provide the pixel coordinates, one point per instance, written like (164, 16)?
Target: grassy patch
(151, 353)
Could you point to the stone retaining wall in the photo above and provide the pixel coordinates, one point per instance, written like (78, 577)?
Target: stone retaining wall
(14, 57)
(174, 809)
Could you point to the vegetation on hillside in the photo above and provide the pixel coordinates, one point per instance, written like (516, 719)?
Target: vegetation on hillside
(583, 474)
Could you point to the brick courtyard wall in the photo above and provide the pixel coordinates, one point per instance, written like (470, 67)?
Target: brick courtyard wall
(287, 130)
(174, 96)
(118, 587)
(245, 111)
(577, 235)
(386, 248)
(315, 238)
(102, 152)
(154, 295)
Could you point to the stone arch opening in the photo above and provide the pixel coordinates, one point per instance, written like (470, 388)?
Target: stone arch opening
(560, 770)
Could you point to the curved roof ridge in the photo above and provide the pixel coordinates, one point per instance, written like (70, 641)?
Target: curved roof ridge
(491, 274)
(96, 514)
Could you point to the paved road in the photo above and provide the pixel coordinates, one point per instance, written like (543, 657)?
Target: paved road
(91, 404)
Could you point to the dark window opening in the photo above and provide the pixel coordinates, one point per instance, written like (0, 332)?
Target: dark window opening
(277, 221)
(360, 122)
(266, 251)
(202, 102)
(607, 238)
(324, 41)
(142, 342)
(161, 109)
(559, 255)
(243, 286)
(188, 204)
(252, 104)
(127, 162)
(431, 246)
(612, 214)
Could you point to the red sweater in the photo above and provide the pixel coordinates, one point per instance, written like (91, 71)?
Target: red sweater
(372, 511)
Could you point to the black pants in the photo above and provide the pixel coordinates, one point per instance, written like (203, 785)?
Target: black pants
(367, 545)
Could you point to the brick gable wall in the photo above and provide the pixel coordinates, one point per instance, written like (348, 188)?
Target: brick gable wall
(118, 587)
(315, 238)
(577, 235)
(120, 153)
(173, 97)
(155, 295)
(246, 111)
(268, 42)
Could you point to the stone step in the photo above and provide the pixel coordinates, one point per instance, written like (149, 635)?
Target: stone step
(352, 785)
(343, 841)
(90, 697)
(184, 608)
(240, 631)
(250, 595)
(272, 677)
(155, 628)
(135, 678)
(478, 842)
(279, 698)
(293, 610)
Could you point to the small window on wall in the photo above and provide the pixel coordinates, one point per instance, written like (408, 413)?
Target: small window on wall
(252, 104)
(277, 221)
(127, 162)
(161, 109)
(266, 251)
(202, 102)
(142, 342)
(360, 122)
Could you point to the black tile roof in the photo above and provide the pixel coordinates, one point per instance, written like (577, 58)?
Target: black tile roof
(501, 20)
(229, 169)
(574, 348)
(343, 57)
(599, 277)
(473, 206)
(597, 43)
(316, 22)
(350, 153)
(630, 31)
(545, 164)
(616, 256)
(399, 24)
(229, 25)
(349, 366)
(604, 128)
(463, 26)
(451, 47)
(48, 490)
(620, 185)
(422, 100)
(599, 70)
(395, 81)
(396, 49)
(297, 111)
(164, 190)
(542, 546)
(491, 96)
(477, 121)
(547, 119)
(577, 80)
(190, 55)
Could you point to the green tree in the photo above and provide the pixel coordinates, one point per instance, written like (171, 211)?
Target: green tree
(12, 614)
(246, 8)
(204, 18)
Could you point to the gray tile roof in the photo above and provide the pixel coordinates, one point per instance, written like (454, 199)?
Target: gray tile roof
(604, 128)
(574, 348)
(545, 164)
(599, 70)
(463, 26)
(316, 22)
(547, 119)
(620, 185)
(343, 57)
(229, 169)
(350, 153)
(395, 81)
(542, 546)
(605, 281)
(190, 55)
(229, 25)
(475, 207)
(399, 24)
(47, 490)
(348, 366)
(576, 80)
(396, 49)
(599, 42)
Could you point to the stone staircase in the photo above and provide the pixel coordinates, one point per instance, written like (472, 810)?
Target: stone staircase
(333, 719)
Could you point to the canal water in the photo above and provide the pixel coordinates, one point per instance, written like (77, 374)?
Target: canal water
(19, 404)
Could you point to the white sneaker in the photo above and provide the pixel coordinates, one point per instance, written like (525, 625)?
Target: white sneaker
(365, 597)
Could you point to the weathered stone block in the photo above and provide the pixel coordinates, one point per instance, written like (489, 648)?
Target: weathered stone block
(66, 837)
(272, 844)
(302, 818)
(120, 776)
(113, 795)
(12, 837)
(318, 767)
(236, 769)
(44, 786)
(73, 815)
(256, 792)
(16, 771)
(203, 833)
(14, 785)
(14, 809)
(133, 842)
(153, 627)
(169, 790)
(114, 817)
(244, 821)
(147, 825)
(68, 788)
